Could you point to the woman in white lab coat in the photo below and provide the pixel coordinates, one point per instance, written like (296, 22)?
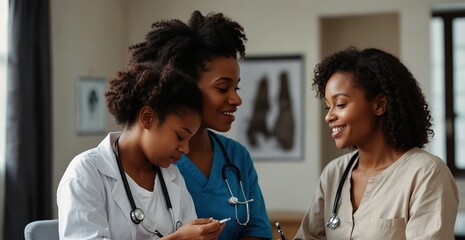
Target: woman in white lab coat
(127, 187)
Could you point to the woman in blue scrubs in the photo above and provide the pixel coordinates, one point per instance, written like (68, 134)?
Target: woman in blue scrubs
(207, 49)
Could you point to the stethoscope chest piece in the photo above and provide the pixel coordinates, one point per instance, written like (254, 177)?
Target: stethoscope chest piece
(333, 221)
(137, 215)
(233, 201)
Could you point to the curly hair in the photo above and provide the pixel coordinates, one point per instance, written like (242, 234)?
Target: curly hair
(165, 89)
(407, 121)
(191, 46)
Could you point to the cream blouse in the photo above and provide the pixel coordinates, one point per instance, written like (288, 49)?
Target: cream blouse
(414, 198)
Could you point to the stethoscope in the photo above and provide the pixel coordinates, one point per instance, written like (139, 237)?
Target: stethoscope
(333, 221)
(137, 215)
(233, 201)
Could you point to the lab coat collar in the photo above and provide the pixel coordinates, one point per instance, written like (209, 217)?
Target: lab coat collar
(106, 162)
(110, 168)
(107, 165)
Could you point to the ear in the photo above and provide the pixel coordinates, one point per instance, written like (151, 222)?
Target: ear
(381, 103)
(146, 117)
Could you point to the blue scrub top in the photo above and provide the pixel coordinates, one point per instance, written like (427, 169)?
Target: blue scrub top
(211, 195)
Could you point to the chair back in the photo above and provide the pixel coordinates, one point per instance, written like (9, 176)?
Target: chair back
(42, 230)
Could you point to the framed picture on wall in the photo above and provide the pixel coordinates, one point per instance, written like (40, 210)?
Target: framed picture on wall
(269, 122)
(90, 105)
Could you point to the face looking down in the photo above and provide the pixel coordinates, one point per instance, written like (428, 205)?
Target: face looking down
(163, 144)
(219, 86)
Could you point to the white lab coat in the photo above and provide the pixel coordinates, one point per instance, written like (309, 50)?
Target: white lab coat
(92, 201)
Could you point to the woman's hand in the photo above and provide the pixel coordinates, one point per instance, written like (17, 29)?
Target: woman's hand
(199, 229)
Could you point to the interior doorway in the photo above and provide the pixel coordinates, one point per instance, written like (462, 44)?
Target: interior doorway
(360, 31)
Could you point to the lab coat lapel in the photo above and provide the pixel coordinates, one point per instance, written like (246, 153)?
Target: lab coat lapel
(107, 165)
(121, 199)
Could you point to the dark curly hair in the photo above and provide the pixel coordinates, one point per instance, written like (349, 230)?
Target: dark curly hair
(191, 46)
(165, 89)
(407, 121)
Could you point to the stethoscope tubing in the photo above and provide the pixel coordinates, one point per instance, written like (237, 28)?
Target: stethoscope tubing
(339, 190)
(123, 176)
(234, 168)
(131, 198)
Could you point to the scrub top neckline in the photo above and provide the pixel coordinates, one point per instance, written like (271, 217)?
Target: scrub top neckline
(211, 183)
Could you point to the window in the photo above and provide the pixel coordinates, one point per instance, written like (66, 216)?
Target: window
(448, 96)
(3, 62)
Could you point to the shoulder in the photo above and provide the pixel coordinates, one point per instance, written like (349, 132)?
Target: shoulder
(333, 172)
(232, 146)
(236, 152)
(227, 141)
(81, 174)
(422, 160)
(82, 165)
(338, 165)
(419, 160)
(425, 173)
(90, 164)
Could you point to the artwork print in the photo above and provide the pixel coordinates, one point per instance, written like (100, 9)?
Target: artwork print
(269, 121)
(90, 104)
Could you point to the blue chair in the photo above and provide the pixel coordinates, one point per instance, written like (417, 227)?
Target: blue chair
(42, 230)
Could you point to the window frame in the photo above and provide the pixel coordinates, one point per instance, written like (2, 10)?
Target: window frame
(448, 16)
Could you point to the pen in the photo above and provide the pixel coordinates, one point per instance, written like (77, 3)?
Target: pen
(280, 231)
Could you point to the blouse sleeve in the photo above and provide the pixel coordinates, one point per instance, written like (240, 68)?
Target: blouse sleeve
(433, 205)
(312, 226)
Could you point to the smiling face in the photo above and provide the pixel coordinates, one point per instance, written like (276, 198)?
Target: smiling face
(163, 144)
(352, 118)
(219, 85)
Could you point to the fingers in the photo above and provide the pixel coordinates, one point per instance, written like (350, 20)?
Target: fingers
(213, 229)
(222, 225)
(201, 221)
(213, 226)
(208, 227)
(205, 228)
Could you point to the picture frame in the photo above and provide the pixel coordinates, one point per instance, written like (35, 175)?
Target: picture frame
(90, 105)
(269, 123)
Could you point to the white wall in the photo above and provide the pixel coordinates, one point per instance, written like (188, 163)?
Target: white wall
(91, 37)
(88, 39)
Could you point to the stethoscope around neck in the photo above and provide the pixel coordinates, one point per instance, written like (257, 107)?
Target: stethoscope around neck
(137, 215)
(233, 200)
(333, 221)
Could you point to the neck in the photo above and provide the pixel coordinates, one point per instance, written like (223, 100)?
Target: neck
(131, 155)
(376, 160)
(201, 151)
(200, 143)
